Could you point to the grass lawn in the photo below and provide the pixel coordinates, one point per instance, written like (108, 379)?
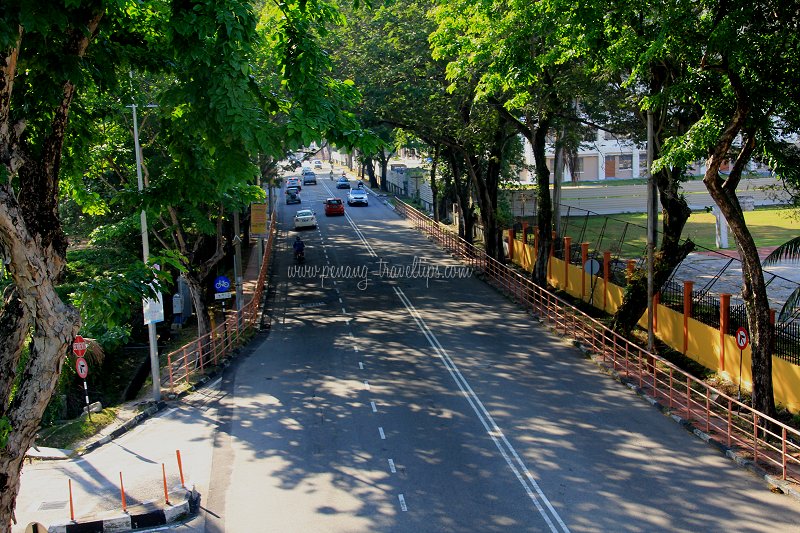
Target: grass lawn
(769, 226)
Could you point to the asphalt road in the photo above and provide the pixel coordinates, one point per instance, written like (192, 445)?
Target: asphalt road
(387, 400)
(384, 399)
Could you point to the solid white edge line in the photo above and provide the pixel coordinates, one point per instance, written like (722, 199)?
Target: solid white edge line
(486, 419)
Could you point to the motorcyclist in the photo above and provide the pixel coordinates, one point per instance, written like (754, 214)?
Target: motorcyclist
(298, 246)
(360, 184)
(331, 173)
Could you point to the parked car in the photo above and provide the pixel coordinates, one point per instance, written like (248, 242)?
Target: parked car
(334, 206)
(305, 218)
(343, 183)
(317, 163)
(309, 177)
(357, 196)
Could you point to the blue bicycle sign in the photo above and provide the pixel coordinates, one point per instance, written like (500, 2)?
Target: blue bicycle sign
(222, 284)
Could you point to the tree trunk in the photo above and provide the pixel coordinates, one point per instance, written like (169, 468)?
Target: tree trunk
(434, 186)
(675, 212)
(544, 206)
(373, 179)
(199, 302)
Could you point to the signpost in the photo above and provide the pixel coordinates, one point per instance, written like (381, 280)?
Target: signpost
(221, 285)
(742, 340)
(81, 366)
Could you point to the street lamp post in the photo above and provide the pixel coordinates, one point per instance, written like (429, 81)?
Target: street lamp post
(151, 325)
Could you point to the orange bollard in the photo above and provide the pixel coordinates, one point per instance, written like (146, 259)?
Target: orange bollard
(180, 467)
(122, 492)
(166, 492)
(71, 505)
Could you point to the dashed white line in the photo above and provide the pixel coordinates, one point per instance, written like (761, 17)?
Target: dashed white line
(360, 365)
(402, 499)
(355, 348)
(374, 407)
(383, 435)
(344, 311)
(392, 468)
(340, 301)
(366, 384)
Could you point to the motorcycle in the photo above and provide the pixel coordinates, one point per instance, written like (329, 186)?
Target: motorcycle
(300, 256)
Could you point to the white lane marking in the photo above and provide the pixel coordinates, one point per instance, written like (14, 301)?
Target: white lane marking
(383, 435)
(340, 301)
(403, 506)
(366, 384)
(374, 407)
(355, 348)
(344, 311)
(516, 465)
(360, 365)
(360, 236)
(392, 468)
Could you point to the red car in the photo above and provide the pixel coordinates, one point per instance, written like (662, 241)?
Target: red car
(334, 206)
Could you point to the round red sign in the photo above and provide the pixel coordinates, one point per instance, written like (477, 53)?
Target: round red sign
(79, 346)
(82, 367)
(742, 339)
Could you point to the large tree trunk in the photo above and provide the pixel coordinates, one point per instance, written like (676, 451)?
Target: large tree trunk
(34, 245)
(754, 290)
(199, 302)
(671, 253)
(544, 205)
(370, 166)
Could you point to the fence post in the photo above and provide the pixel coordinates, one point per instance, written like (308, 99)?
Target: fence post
(511, 238)
(687, 312)
(584, 257)
(656, 301)
(606, 276)
(200, 354)
(724, 316)
(567, 250)
(552, 255)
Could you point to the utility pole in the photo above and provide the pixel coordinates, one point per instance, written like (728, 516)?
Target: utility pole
(652, 220)
(237, 264)
(155, 369)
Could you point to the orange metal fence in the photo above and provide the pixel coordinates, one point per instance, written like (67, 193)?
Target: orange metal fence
(192, 358)
(770, 444)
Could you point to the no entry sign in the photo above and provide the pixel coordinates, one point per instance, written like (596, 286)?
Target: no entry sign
(742, 339)
(79, 346)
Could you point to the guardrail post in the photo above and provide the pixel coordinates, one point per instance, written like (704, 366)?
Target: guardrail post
(606, 276)
(200, 354)
(687, 312)
(122, 493)
(169, 367)
(186, 364)
(724, 316)
(567, 253)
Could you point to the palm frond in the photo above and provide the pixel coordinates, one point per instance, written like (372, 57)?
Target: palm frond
(791, 306)
(789, 250)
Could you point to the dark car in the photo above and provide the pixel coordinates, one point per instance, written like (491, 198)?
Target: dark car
(292, 198)
(334, 206)
(309, 176)
(342, 183)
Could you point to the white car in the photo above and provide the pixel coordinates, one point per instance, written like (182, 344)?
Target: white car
(317, 163)
(357, 196)
(305, 218)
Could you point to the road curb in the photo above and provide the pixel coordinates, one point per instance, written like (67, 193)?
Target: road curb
(133, 521)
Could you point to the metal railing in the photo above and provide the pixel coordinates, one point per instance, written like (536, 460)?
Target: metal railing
(193, 358)
(770, 443)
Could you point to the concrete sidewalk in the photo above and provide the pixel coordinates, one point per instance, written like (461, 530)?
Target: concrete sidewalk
(49, 473)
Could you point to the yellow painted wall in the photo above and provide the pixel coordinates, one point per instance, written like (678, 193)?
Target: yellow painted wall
(703, 341)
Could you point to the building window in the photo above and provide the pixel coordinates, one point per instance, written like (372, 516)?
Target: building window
(642, 162)
(625, 162)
